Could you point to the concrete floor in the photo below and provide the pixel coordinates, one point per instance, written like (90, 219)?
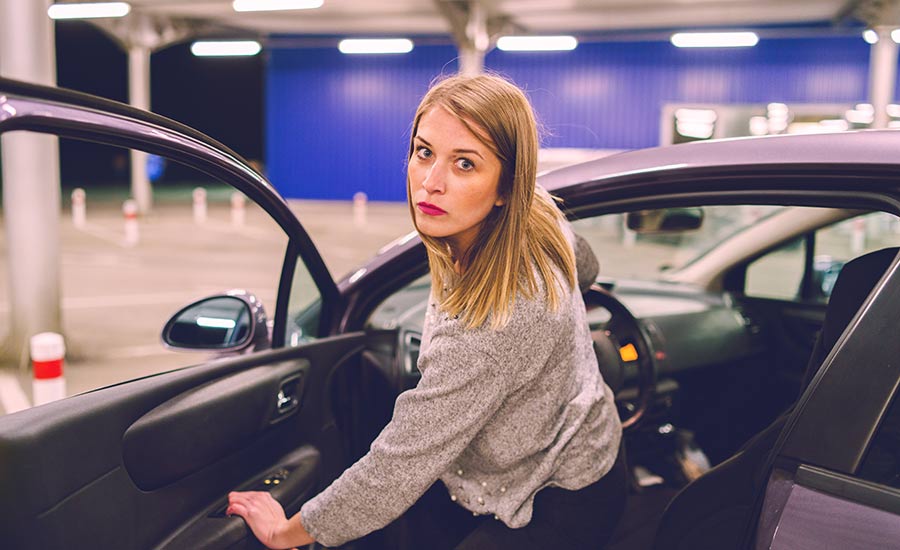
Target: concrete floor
(116, 299)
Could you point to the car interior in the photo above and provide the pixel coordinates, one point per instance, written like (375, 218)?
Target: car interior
(705, 376)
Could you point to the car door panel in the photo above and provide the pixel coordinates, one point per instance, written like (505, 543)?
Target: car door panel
(816, 508)
(153, 459)
(141, 463)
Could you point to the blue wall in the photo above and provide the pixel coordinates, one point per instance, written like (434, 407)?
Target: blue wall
(338, 124)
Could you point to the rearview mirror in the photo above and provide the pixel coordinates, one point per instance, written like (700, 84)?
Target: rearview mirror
(666, 220)
(225, 323)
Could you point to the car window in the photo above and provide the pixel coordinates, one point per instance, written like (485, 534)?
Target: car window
(304, 307)
(119, 288)
(841, 242)
(779, 274)
(650, 257)
(405, 307)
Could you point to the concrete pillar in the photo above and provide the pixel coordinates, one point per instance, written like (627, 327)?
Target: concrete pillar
(477, 42)
(139, 96)
(471, 61)
(882, 75)
(31, 195)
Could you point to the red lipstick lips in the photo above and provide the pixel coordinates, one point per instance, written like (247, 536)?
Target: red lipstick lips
(430, 209)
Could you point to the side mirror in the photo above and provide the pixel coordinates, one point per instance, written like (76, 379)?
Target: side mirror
(224, 323)
(666, 220)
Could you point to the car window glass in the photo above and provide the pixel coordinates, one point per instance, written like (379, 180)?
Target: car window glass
(841, 242)
(404, 307)
(117, 292)
(304, 307)
(779, 273)
(650, 256)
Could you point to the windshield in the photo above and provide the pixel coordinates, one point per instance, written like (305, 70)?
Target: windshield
(625, 254)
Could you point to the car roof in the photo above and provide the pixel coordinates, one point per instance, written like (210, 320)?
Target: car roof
(856, 148)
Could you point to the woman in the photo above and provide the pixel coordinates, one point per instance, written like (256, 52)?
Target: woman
(511, 414)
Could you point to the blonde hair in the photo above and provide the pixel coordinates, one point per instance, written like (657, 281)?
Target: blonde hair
(522, 234)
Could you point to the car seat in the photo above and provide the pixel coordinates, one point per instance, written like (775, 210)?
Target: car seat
(712, 511)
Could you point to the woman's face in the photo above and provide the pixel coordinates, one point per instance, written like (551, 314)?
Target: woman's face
(453, 179)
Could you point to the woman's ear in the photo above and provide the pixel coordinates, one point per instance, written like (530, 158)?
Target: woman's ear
(500, 201)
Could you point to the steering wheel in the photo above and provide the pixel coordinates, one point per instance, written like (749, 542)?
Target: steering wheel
(612, 364)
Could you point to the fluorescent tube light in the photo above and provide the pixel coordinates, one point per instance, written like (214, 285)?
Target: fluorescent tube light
(870, 36)
(215, 322)
(275, 5)
(225, 48)
(375, 45)
(536, 43)
(92, 10)
(714, 39)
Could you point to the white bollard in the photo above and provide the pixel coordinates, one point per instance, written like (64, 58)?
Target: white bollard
(858, 236)
(199, 196)
(48, 351)
(360, 201)
(130, 211)
(238, 211)
(79, 210)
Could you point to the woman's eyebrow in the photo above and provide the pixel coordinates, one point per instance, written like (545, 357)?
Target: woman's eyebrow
(469, 151)
(457, 151)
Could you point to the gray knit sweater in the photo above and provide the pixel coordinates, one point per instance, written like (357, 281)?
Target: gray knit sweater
(497, 415)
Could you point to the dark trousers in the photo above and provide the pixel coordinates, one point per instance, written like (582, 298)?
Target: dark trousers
(582, 519)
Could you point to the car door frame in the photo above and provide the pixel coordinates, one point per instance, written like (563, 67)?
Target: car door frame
(70, 114)
(144, 403)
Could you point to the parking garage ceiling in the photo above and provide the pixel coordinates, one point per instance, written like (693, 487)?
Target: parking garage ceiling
(417, 17)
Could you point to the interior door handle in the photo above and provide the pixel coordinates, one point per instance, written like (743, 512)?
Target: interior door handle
(287, 400)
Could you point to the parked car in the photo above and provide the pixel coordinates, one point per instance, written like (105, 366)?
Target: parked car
(751, 431)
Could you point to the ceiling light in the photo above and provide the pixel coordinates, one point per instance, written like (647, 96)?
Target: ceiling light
(88, 11)
(275, 5)
(870, 36)
(225, 48)
(375, 45)
(714, 39)
(536, 43)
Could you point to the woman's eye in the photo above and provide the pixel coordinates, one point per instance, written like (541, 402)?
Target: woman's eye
(423, 153)
(465, 164)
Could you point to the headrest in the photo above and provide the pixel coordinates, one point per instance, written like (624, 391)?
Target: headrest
(854, 284)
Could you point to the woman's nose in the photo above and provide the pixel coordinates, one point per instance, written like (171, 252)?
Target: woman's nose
(434, 179)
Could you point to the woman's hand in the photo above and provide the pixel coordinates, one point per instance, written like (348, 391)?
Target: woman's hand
(266, 518)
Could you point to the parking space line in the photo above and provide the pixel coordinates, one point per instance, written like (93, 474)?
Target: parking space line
(103, 236)
(12, 397)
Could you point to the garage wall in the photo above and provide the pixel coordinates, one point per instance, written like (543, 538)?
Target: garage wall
(338, 124)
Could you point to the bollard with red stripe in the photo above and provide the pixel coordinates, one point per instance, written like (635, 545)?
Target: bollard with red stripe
(359, 208)
(48, 351)
(132, 233)
(199, 198)
(79, 210)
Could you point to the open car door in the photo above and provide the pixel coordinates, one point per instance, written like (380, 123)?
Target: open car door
(149, 463)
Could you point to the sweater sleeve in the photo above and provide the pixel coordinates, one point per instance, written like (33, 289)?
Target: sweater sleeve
(461, 387)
